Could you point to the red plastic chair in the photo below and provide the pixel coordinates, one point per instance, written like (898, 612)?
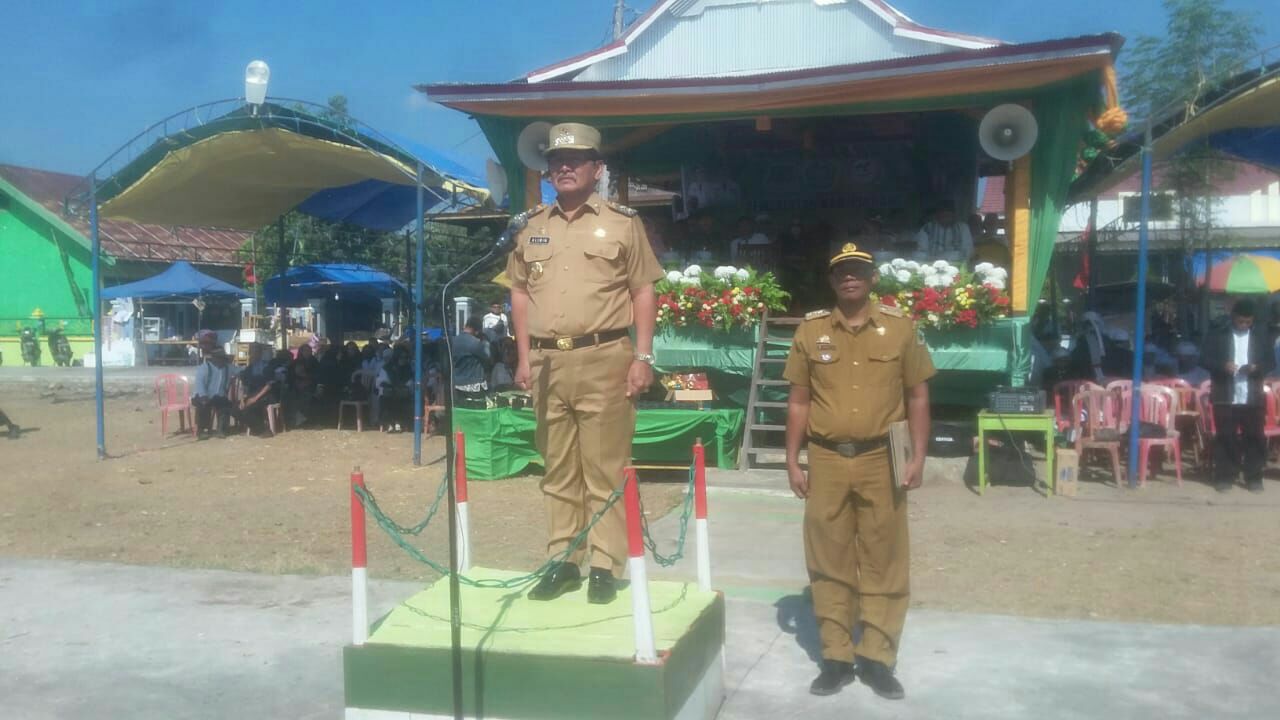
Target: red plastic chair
(1099, 426)
(1123, 391)
(1064, 394)
(1271, 428)
(1157, 405)
(173, 394)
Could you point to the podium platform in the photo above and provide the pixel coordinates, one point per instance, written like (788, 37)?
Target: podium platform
(525, 660)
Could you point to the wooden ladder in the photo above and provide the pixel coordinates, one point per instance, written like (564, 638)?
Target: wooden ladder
(766, 415)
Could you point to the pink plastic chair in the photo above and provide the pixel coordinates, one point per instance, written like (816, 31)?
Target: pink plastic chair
(173, 394)
(1271, 428)
(1063, 395)
(1099, 426)
(1123, 391)
(1157, 405)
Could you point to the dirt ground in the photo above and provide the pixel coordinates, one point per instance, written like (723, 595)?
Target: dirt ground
(280, 505)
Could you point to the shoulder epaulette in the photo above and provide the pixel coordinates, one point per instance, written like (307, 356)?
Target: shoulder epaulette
(816, 314)
(892, 311)
(629, 212)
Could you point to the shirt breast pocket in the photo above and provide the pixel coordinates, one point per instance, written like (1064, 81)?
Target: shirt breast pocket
(605, 262)
(884, 368)
(537, 263)
(825, 367)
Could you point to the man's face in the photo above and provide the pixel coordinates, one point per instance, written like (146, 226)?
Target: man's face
(495, 309)
(852, 281)
(573, 171)
(1242, 322)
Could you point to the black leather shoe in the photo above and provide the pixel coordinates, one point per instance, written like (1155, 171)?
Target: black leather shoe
(878, 677)
(1255, 486)
(601, 588)
(561, 579)
(834, 676)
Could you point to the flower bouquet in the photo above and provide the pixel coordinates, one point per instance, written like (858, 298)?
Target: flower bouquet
(724, 299)
(940, 295)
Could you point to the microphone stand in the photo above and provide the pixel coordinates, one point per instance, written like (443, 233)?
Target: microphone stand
(503, 244)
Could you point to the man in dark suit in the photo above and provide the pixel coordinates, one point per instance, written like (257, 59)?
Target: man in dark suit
(1237, 357)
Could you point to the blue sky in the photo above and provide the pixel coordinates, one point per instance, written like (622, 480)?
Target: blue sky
(81, 78)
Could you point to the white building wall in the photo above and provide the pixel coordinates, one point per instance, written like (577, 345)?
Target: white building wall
(1260, 208)
(732, 37)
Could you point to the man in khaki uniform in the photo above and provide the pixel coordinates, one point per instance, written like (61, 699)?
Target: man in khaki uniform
(854, 370)
(582, 274)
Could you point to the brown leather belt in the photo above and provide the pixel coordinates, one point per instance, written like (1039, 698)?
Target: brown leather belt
(850, 448)
(582, 341)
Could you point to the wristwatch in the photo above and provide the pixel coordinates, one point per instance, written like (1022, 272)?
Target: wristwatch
(646, 358)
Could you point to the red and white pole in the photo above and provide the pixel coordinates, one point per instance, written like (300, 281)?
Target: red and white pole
(460, 492)
(701, 533)
(359, 565)
(641, 612)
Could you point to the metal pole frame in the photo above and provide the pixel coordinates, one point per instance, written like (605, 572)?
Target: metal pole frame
(96, 318)
(1140, 322)
(417, 328)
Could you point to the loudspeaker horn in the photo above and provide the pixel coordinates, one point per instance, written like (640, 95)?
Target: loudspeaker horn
(1008, 132)
(496, 177)
(533, 141)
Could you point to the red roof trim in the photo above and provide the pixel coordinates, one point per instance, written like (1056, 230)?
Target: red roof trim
(1066, 46)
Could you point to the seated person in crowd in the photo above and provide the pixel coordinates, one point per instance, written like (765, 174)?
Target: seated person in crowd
(944, 237)
(302, 385)
(501, 377)
(209, 393)
(1189, 364)
(258, 390)
(470, 365)
(395, 390)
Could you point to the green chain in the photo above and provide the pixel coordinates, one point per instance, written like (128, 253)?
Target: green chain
(652, 545)
(392, 530)
(371, 503)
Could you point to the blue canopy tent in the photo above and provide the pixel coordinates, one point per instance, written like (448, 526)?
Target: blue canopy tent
(234, 164)
(180, 281)
(295, 285)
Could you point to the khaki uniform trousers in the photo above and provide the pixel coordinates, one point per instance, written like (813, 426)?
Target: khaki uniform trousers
(585, 426)
(856, 549)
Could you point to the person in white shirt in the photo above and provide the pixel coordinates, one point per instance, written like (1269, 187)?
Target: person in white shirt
(495, 323)
(944, 237)
(1238, 357)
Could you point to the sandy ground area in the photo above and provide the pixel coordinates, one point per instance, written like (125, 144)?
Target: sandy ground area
(279, 505)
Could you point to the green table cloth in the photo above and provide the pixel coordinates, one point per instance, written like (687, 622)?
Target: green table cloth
(500, 441)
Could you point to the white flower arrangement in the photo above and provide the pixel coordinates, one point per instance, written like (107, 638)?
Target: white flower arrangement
(902, 276)
(741, 275)
(675, 276)
(693, 271)
(695, 281)
(725, 272)
(887, 270)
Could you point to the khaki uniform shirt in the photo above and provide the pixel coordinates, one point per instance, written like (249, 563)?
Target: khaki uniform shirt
(857, 378)
(579, 271)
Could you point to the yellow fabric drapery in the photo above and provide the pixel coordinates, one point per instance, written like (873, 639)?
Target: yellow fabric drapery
(1018, 216)
(237, 179)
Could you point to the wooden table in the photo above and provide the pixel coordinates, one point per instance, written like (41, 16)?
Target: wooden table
(1004, 423)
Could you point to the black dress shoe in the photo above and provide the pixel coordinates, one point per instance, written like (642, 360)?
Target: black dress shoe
(601, 588)
(1255, 486)
(561, 579)
(834, 676)
(878, 677)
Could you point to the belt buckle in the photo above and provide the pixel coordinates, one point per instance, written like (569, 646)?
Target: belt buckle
(564, 343)
(847, 449)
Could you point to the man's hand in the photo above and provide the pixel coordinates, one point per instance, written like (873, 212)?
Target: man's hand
(1232, 368)
(799, 481)
(915, 475)
(523, 375)
(639, 378)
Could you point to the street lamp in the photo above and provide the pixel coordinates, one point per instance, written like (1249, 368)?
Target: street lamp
(256, 76)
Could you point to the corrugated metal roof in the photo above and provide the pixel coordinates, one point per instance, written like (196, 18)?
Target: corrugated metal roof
(129, 240)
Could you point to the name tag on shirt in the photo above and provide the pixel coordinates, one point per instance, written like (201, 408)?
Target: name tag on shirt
(539, 240)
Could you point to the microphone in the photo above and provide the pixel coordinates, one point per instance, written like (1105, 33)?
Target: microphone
(507, 236)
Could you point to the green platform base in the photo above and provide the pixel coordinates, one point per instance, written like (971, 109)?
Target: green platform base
(526, 660)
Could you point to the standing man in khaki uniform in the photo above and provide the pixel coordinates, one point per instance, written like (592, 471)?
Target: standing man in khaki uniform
(854, 370)
(582, 274)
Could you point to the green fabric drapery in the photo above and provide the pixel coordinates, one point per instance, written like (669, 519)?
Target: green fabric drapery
(500, 441)
(502, 133)
(1061, 112)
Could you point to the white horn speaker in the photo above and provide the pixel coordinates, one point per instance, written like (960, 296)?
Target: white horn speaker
(1008, 132)
(497, 179)
(533, 141)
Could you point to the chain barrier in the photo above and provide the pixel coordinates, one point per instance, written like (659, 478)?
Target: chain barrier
(685, 513)
(371, 503)
(392, 530)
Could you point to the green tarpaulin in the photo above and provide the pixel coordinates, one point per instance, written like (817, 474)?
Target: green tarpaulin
(500, 441)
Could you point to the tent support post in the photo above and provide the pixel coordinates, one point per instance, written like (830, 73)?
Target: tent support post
(96, 316)
(417, 329)
(1140, 330)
